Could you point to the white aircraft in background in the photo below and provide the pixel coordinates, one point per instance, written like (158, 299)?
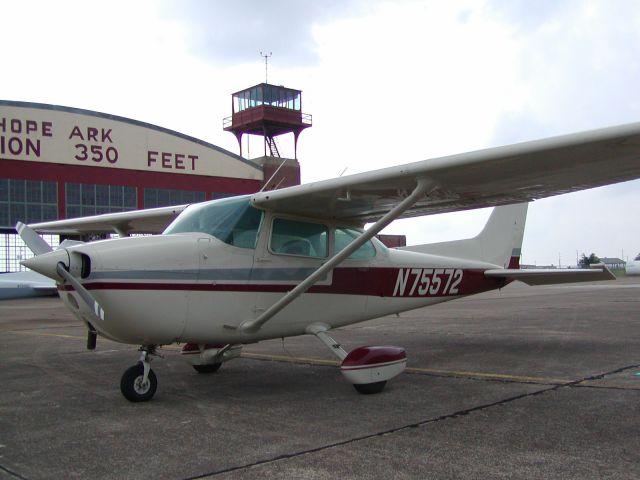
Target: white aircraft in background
(25, 284)
(297, 261)
(633, 266)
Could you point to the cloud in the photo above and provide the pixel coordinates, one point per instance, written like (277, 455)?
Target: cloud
(601, 220)
(235, 32)
(577, 62)
(527, 15)
(387, 82)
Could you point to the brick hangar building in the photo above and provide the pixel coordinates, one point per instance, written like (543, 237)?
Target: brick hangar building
(60, 162)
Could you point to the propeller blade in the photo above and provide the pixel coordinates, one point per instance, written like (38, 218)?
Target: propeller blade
(83, 292)
(34, 241)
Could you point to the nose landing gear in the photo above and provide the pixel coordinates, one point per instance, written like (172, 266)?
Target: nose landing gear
(139, 383)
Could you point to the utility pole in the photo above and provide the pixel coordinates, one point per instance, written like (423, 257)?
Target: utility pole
(266, 63)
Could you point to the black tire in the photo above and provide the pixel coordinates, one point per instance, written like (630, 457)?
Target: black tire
(208, 368)
(369, 388)
(131, 384)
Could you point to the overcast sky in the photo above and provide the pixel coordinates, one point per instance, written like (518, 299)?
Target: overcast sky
(386, 82)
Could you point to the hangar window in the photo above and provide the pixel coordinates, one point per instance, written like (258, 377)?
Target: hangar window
(28, 201)
(233, 221)
(14, 250)
(218, 195)
(89, 199)
(293, 237)
(162, 197)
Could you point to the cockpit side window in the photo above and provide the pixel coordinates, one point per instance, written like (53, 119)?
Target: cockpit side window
(294, 237)
(344, 236)
(233, 221)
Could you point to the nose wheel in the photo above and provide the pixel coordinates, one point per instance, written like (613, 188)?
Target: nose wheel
(139, 382)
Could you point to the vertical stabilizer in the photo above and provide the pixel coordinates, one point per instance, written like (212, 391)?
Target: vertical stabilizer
(499, 242)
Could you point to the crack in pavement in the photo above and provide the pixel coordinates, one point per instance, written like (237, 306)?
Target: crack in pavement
(419, 424)
(12, 473)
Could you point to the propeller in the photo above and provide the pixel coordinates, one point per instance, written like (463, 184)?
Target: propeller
(34, 241)
(92, 303)
(44, 261)
(87, 298)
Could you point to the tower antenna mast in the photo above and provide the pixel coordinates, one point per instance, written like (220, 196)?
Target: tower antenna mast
(266, 63)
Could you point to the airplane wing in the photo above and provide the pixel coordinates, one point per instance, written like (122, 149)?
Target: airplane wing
(152, 220)
(552, 276)
(497, 176)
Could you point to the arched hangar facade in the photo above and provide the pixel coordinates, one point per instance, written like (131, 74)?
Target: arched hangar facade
(60, 162)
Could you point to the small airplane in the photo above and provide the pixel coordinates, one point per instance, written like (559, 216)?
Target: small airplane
(633, 266)
(25, 284)
(297, 261)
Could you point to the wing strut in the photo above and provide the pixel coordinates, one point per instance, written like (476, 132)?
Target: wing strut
(252, 326)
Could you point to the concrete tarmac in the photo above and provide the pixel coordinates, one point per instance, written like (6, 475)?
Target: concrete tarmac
(528, 382)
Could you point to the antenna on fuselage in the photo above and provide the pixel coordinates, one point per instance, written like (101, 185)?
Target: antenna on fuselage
(273, 176)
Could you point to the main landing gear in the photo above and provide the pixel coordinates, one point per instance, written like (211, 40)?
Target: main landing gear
(367, 368)
(208, 358)
(139, 383)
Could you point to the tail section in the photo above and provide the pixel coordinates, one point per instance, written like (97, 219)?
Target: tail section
(498, 243)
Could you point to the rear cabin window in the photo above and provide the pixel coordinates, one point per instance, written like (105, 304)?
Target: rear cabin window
(344, 236)
(293, 237)
(233, 221)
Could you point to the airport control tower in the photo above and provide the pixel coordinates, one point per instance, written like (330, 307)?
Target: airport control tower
(270, 111)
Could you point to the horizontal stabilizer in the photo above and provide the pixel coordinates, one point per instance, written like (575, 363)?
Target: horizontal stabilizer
(550, 276)
(46, 289)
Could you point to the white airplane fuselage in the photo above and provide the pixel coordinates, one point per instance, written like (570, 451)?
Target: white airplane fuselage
(24, 285)
(192, 287)
(633, 266)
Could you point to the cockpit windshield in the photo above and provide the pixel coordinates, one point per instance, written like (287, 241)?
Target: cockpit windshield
(233, 221)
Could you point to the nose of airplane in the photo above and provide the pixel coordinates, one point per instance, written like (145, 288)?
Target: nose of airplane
(46, 263)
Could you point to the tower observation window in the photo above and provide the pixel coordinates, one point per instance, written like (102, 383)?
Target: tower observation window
(269, 95)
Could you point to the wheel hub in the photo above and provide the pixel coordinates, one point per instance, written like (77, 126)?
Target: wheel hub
(141, 386)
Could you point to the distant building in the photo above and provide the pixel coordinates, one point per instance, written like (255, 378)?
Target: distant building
(393, 241)
(614, 263)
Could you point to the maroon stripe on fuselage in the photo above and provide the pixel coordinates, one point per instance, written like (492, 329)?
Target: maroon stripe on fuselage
(379, 282)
